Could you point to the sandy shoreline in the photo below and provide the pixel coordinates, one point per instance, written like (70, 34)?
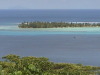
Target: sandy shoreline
(69, 29)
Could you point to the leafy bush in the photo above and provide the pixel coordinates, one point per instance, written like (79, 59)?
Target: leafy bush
(16, 65)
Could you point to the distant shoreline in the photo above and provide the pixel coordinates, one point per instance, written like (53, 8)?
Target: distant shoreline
(57, 24)
(58, 29)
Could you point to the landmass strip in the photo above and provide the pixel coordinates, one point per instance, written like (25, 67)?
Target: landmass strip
(56, 24)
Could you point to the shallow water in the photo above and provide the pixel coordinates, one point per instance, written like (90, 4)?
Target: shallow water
(71, 45)
(14, 30)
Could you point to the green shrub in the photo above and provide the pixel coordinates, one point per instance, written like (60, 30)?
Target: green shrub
(15, 65)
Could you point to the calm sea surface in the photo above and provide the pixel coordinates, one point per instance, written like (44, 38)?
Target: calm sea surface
(72, 45)
(17, 16)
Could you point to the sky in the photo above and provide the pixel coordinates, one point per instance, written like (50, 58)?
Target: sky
(49, 4)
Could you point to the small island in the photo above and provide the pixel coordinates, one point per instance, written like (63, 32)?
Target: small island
(56, 24)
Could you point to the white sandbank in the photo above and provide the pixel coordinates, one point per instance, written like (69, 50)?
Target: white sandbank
(69, 29)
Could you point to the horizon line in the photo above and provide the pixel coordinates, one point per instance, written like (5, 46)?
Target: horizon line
(49, 9)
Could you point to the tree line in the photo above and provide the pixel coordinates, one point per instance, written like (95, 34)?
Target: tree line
(55, 24)
(16, 65)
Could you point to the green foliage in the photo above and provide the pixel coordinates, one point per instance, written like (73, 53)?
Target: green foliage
(55, 24)
(15, 65)
(18, 73)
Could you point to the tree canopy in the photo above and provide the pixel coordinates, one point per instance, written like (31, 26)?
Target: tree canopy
(16, 65)
(55, 24)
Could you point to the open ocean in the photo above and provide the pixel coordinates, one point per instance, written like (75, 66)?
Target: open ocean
(17, 16)
(70, 45)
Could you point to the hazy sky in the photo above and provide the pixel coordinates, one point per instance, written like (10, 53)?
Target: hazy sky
(49, 4)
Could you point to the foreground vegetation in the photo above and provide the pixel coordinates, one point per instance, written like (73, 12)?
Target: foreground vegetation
(16, 65)
(55, 24)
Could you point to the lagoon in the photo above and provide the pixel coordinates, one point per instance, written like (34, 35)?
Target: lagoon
(14, 30)
(70, 45)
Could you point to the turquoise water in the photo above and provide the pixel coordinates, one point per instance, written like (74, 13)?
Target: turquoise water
(14, 30)
(42, 33)
(71, 45)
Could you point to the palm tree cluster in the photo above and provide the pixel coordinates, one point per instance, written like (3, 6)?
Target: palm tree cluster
(55, 24)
